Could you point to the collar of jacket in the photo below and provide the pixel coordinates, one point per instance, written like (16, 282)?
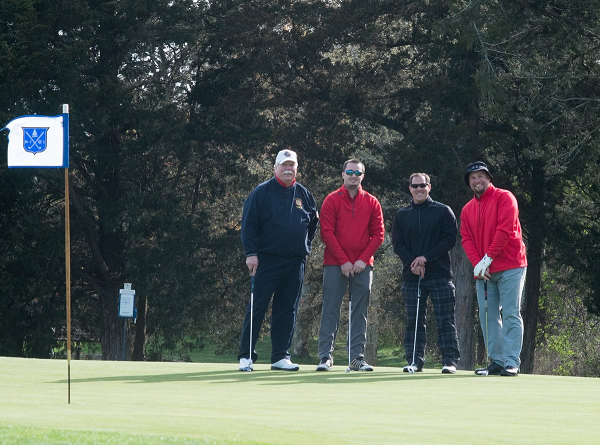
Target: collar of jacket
(344, 191)
(487, 192)
(281, 183)
(423, 204)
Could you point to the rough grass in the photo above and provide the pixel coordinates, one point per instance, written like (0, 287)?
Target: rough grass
(197, 403)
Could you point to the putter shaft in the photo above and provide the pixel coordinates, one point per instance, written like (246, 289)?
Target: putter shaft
(411, 369)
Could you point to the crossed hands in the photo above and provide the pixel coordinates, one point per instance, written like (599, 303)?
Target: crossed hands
(417, 267)
(482, 269)
(484, 276)
(351, 269)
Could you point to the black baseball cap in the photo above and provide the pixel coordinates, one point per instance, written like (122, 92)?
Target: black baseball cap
(474, 167)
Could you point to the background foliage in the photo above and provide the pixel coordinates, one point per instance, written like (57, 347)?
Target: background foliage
(177, 110)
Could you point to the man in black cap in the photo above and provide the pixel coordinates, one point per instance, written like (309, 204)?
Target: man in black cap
(493, 241)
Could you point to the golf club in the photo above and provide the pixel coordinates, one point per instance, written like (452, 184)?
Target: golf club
(349, 320)
(412, 367)
(487, 351)
(251, 315)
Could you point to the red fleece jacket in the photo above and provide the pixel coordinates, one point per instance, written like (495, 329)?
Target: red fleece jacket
(490, 224)
(352, 229)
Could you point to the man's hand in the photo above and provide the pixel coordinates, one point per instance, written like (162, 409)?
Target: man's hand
(347, 269)
(252, 263)
(418, 261)
(482, 267)
(486, 276)
(418, 270)
(359, 266)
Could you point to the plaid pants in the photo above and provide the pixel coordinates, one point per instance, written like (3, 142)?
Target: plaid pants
(441, 292)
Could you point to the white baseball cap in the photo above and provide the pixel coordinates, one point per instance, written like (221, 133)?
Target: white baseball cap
(286, 155)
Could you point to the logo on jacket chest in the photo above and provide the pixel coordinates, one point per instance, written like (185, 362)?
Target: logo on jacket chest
(298, 202)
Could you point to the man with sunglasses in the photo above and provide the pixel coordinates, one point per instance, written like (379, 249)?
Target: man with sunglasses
(423, 234)
(352, 229)
(493, 241)
(279, 221)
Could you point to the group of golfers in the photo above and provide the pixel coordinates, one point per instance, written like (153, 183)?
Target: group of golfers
(280, 219)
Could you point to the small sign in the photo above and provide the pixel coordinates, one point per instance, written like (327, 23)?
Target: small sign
(126, 302)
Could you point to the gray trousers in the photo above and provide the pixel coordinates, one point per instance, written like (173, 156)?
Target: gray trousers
(504, 330)
(334, 289)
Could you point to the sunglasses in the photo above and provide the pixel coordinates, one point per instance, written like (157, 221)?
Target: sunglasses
(355, 172)
(422, 185)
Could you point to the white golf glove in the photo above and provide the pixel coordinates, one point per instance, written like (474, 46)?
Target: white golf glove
(482, 266)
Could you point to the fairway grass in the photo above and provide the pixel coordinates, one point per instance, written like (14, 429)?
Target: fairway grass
(199, 403)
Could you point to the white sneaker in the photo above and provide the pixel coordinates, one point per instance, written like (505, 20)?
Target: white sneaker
(325, 365)
(246, 365)
(285, 364)
(449, 369)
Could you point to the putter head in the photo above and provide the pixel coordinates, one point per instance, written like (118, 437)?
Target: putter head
(348, 369)
(411, 370)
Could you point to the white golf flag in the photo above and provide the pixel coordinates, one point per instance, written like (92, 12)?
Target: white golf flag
(38, 141)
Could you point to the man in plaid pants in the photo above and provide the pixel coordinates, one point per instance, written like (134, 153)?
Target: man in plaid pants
(423, 234)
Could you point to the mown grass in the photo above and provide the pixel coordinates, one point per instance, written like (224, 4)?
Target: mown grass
(389, 356)
(197, 403)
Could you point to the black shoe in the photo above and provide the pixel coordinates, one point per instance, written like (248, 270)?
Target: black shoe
(492, 369)
(510, 371)
(325, 364)
(414, 368)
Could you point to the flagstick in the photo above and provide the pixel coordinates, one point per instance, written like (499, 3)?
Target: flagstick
(15, 147)
(68, 272)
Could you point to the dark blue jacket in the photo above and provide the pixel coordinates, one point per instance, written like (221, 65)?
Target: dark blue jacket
(279, 221)
(427, 229)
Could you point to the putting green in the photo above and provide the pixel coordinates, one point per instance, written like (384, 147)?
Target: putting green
(189, 403)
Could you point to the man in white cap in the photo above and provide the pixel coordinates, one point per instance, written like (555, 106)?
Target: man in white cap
(493, 241)
(279, 221)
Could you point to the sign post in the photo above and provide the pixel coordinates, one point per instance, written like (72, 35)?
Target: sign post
(126, 309)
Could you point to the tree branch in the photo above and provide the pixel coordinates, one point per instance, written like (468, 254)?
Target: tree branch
(90, 234)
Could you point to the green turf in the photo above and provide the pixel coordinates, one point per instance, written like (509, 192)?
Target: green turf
(391, 356)
(190, 403)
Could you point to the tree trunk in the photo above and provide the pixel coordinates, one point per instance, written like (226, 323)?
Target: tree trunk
(139, 346)
(112, 335)
(372, 335)
(107, 251)
(535, 249)
(303, 325)
(466, 301)
(300, 340)
(531, 307)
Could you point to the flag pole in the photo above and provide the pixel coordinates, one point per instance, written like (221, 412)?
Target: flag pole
(68, 272)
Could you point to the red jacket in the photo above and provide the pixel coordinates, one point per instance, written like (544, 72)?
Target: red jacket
(352, 229)
(490, 224)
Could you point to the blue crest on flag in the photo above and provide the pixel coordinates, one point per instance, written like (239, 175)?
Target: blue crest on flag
(35, 139)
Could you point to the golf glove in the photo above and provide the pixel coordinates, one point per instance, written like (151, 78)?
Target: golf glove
(482, 266)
